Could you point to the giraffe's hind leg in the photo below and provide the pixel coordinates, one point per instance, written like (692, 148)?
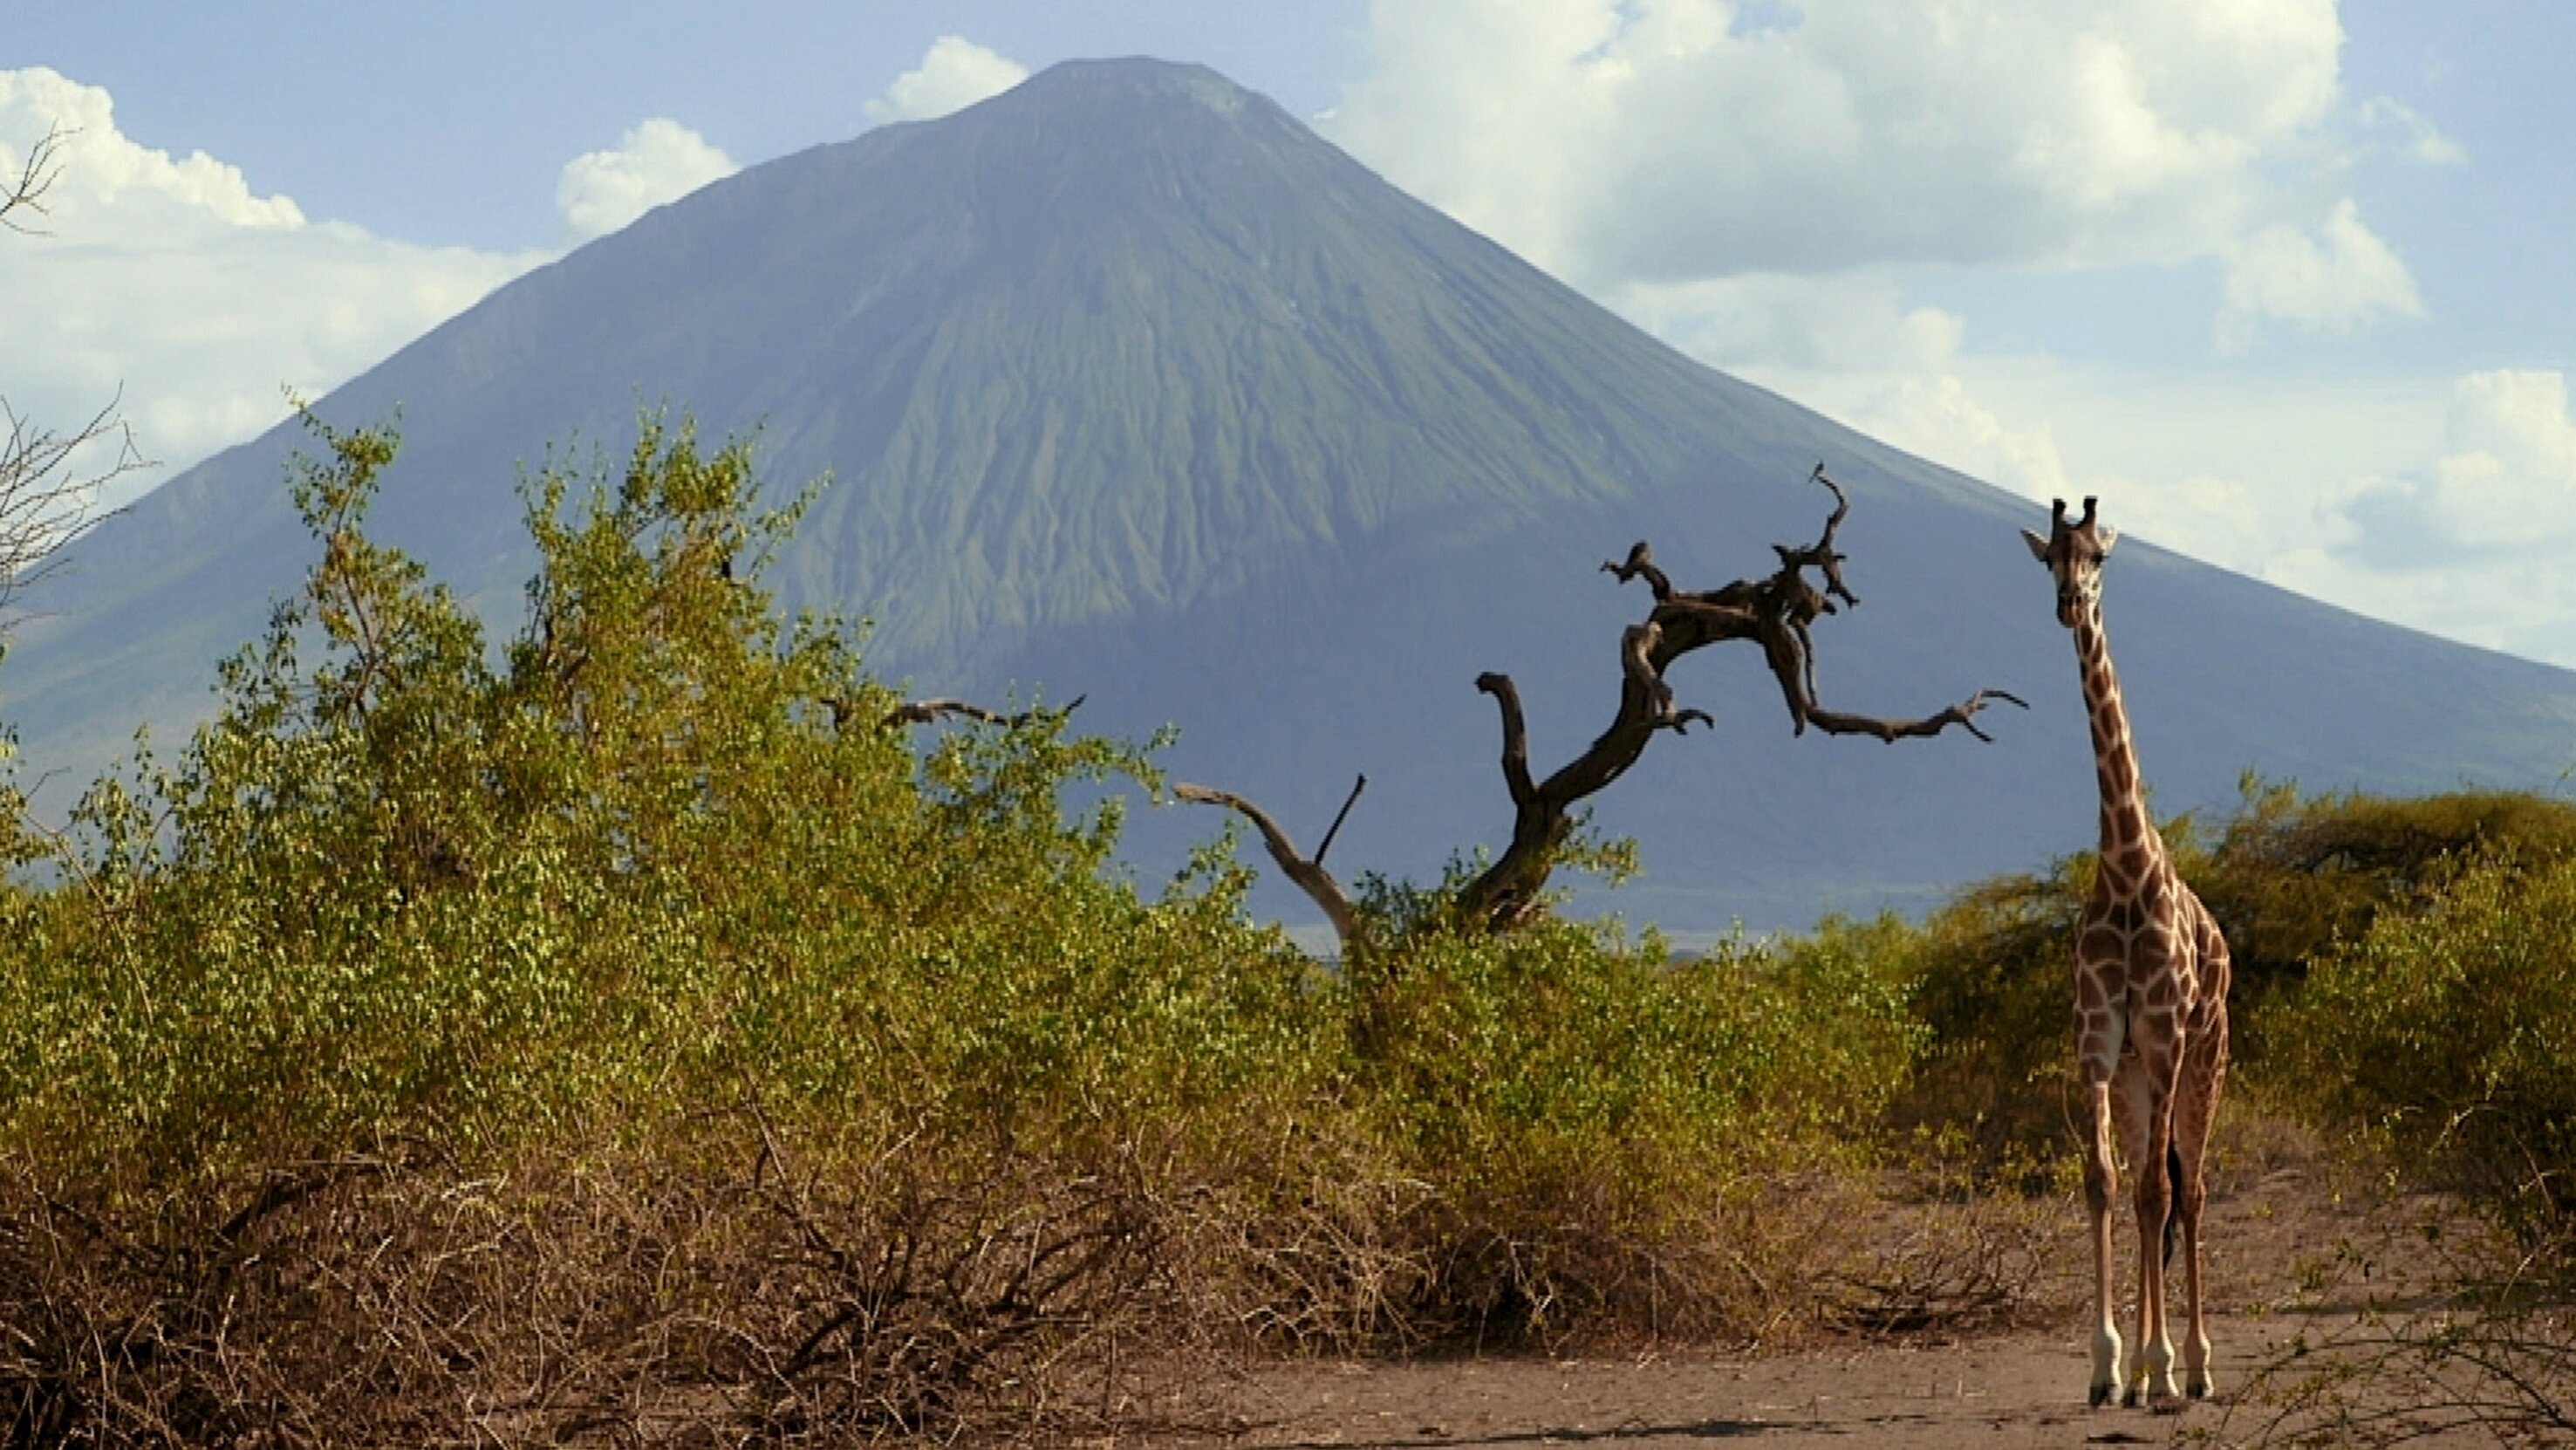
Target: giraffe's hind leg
(2143, 1097)
(2204, 1074)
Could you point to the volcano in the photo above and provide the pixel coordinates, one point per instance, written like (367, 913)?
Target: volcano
(1126, 384)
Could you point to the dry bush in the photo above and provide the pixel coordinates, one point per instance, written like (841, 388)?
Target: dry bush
(2440, 1326)
(1348, 1251)
(1573, 1265)
(2391, 1378)
(1315, 1255)
(1955, 1263)
(745, 1293)
(1949, 1239)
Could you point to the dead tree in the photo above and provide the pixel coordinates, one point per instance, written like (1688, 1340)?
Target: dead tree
(1777, 612)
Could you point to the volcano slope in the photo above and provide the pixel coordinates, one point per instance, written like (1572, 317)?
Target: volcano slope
(1125, 384)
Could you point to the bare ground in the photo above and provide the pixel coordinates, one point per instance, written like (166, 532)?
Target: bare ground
(2296, 1250)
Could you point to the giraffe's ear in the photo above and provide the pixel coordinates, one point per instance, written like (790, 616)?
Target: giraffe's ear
(2038, 545)
(2106, 537)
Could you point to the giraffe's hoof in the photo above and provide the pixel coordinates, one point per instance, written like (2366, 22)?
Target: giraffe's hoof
(2101, 1396)
(2129, 1398)
(2197, 1386)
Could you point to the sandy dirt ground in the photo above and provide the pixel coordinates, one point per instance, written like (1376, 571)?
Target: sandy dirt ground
(2290, 1255)
(2001, 1393)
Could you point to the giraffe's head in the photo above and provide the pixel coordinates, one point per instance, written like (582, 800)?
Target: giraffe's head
(2074, 554)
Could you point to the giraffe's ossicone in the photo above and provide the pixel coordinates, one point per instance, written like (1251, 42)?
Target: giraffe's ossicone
(2150, 991)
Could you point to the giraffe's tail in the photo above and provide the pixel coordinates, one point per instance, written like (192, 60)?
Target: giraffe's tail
(2173, 1197)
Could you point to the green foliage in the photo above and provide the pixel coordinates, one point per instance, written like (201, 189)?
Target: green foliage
(1588, 1110)
(1543, 1049)
(657, 889)
(664, 857)
(2449, 1034)
(1991, 974)
(2289, 878)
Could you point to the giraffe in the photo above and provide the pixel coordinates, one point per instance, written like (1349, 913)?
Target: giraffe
(2150, 985)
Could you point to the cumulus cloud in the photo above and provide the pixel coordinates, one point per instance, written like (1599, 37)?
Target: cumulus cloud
(955, 74)
(2446, 507)
(2470, 541)
(2338, 279)
(1659, 140)
(1755, 183)
(1848, 345)
(112, 171)
(1850, 322)
(2504, 485)
(172, 280)
(656, 162)
(1937, 417)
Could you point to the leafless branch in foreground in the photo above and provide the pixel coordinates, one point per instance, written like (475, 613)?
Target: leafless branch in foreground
(49, 488)
(49, 491)
(36, 176)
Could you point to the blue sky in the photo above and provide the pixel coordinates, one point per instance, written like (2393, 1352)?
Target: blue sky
(2286, 282)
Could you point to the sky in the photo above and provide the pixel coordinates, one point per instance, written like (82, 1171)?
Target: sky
(2287, 283)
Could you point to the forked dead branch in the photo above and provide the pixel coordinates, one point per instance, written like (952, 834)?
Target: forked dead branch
(1778, 612)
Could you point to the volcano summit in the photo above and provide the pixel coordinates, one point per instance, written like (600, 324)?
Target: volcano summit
(1129, 385)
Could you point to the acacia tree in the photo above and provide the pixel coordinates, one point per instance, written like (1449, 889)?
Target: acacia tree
(1777, 612)
(49, 479)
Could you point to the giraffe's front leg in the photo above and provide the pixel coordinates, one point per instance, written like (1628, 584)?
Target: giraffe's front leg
(2101, 1190)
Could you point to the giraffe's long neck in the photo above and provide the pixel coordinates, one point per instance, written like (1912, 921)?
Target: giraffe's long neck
(2128, 833)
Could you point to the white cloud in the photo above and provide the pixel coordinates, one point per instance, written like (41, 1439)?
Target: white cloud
(1668, 140)
(175, 281)
(656, 162)
(2447, 507)
(2343, 277)
(2504, 484)
(1938, 418)
(1851, 322)
(112, 172)
(2250, 474)
(2424, 141)
(2510, 479)
(1848, 346)
(954, 74)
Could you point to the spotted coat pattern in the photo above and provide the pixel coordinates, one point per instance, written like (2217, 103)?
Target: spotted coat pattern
(2150, 997)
